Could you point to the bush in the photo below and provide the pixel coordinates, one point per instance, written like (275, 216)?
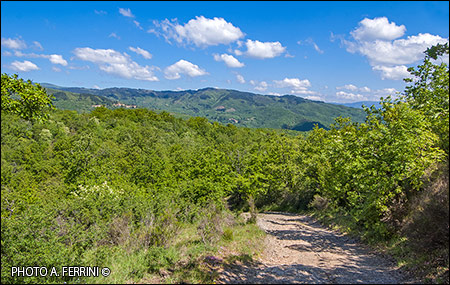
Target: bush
(210, 225)
(427, 227)
(319, 203)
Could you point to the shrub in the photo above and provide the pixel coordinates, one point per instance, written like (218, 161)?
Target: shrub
(319, 203)
(427, 227)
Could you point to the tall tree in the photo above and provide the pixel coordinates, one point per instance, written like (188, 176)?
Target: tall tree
(28, 100)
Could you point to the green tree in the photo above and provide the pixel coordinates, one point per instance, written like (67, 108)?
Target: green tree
(28, 100)
(429, 92)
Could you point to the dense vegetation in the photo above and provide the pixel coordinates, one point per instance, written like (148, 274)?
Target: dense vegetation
(81, 103)
(222, 105)
(88, 188)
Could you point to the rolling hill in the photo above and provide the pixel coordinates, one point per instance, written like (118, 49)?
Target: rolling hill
(221, 105)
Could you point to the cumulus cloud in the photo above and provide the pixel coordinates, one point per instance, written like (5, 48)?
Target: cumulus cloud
(365, 89)
(377, 29)
(296, 86)
(293, 83)
(229, 60)
(379, 41)
(182, 66)
(126, 12)
(350, 96)
(398, 52)
(13, 43)
(23, 66)
(362, 94)
(200, 31)
(57, 59)
(393, 72)
(53, 58)
(240, 78)
(348, 87)
(114, 62)
(141, 51)
(261, 86)
(314, 98)
(352, 87)
(264, 49)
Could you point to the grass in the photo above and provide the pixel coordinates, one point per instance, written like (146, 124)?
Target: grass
(185, 258)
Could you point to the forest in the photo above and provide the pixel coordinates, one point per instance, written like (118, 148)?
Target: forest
(84, 188)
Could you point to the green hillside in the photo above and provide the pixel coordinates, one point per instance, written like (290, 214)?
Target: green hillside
(83, 102)
(232, 106)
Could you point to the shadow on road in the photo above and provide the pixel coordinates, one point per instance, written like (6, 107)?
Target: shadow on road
(339, 258)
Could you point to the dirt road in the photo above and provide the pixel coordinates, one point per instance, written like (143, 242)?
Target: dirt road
(300, 250)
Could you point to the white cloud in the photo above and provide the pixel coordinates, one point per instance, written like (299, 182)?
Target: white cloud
(262, 86)
(126, 12)
(377, 29)
(352, 87)
(398, 52)
(350, 96)
(302, 92)
(293, 83)
(7, 53)
(114, 62)
(114, 35)
(23, 66)
(238, 52)
(142, 52)
(200, 31)
(389, 91)
(393, 72)
(365, 89)
(53, 58)
(183, 67)
(56, 69)
(348, 87)
(314, 98)
(240, 78)
(264, 49)
(296, 86)
(138, 24)
(57, 59)
(372, 95)
(229, 60)
(378, 40)
(311, 42)
(13, 43)
(100, 12)
(37, 45)
(274, 94)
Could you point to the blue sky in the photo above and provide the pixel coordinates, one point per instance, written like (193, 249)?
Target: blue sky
(329, 51)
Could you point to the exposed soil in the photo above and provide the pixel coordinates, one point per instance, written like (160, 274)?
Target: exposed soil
(298, 249)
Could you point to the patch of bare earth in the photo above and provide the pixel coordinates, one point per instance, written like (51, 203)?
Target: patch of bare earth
(300, 250)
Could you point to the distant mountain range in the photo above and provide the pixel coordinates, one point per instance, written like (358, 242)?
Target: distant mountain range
(221, 105)
(359, 104)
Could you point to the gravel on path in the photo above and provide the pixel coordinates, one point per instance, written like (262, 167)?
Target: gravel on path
(298, 249)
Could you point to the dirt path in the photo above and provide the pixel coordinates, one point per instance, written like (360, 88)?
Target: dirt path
(300, 250)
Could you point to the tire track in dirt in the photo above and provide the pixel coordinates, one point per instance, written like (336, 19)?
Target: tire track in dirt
(300, 250)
